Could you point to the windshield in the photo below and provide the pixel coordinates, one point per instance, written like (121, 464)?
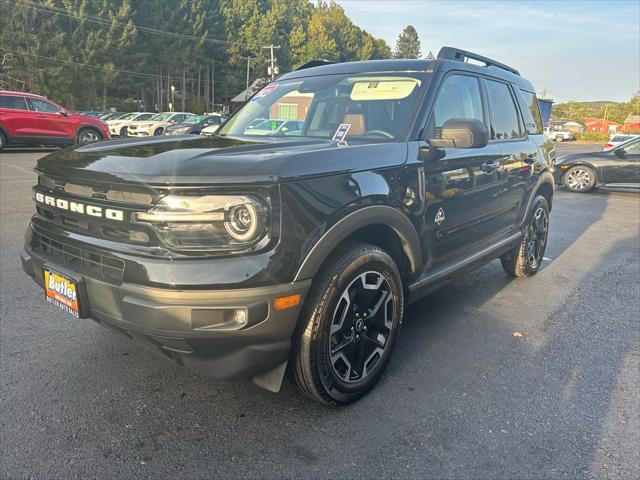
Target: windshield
(161, 117)
(128, 116)
(334, 107)
(192, 120)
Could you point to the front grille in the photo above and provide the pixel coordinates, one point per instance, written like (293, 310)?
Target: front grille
(95, 265)
(80, 190)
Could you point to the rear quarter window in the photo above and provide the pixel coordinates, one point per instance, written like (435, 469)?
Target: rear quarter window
(530, 111)
(13, 102)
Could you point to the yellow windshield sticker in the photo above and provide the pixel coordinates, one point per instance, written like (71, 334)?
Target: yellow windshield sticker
(382, 90)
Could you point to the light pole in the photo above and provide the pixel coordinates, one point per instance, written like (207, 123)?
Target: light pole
(173, 100)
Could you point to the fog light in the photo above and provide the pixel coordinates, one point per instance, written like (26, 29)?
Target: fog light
(240, 318)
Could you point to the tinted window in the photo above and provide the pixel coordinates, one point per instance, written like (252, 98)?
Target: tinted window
(505, 123)
(530, 111)
(43, 106)
(15, 103)
(459, 97)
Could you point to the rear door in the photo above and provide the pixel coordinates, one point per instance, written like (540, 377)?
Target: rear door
(16, 117)
(519, 153)
(51, 123)
(462, 185)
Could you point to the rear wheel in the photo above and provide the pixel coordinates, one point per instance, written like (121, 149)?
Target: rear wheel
(349, 325)
(88, 135)
(559, 138)
(526, 258)
(580, 179)
(3, 141)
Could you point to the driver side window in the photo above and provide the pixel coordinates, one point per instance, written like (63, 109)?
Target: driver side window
(459, 97)
(43, 106)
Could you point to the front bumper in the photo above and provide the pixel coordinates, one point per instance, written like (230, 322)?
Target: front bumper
(192, 326)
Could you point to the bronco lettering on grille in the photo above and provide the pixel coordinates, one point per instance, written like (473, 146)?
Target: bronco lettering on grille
(77, 207)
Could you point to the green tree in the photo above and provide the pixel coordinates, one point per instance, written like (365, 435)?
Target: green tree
(408, 44)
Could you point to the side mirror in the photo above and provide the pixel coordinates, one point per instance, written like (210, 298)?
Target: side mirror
(63, 113)
(284, 129)
(462, 133)
(620, 153)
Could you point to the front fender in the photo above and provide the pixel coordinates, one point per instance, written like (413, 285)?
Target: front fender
(366, 216)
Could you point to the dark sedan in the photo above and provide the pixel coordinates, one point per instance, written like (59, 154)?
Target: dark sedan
(193, 126)
(582, 172)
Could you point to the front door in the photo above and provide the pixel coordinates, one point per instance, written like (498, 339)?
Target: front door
(462, 185)
(623, 166)
(51, 123)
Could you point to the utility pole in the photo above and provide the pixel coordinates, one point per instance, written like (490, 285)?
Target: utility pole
(246, 90)
(213, 87)
(273, 61)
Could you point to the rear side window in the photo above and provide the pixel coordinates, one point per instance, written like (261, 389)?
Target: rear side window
(13, 102)
(530, 111)
(459, 97)
(505, 124)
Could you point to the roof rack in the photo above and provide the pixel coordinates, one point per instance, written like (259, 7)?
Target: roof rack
(452, 53)
(313, 63)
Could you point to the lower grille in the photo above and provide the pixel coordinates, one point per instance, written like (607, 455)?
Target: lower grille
(95, 265)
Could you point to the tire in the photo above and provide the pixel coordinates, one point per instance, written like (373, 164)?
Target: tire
(88, 135)
(579, 179)
(158, 131)
(337, 317)
(124, 132)
(526, 258)
(3, 141)
(559, 138)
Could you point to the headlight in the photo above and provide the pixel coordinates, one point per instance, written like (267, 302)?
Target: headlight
(210, 222)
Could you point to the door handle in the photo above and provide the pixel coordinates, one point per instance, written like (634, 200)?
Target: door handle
(489, 167)
(41, 116)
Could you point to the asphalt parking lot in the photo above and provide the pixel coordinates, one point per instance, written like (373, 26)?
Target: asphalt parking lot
(462, 397)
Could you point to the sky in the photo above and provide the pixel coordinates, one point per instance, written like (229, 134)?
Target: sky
(581, 50)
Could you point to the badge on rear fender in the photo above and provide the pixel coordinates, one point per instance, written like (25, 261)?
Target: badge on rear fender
(439, 216)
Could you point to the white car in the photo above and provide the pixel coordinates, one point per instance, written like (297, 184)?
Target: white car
(156, 124)
(618, 138)
(559, 135)
(211, 129)
(118, 127)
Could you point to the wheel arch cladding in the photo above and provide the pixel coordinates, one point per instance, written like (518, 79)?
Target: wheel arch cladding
(383, 226)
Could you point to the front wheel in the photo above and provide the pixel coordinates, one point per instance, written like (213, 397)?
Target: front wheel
(158, 131)
(88, 135)
(559, 138)
(579, 179)
(525, 259)
(348, 326)
(3, 142)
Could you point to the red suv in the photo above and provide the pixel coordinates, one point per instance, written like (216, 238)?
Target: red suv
(27, 119)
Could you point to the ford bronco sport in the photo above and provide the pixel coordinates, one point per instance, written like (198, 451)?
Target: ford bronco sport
(245, 255)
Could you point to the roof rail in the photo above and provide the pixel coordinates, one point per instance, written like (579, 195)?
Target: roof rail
(313, 63)
(452, 53)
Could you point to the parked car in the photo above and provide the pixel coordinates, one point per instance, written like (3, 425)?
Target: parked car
(559, 135)
(29, 119)
(276, 126)
(111, 116)
(91, 113)
(119, 126)
(156, 124)
(582, 172)
(618, 138)
(244, 255)
(194, 125)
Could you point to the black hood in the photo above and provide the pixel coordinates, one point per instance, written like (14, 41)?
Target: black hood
(189, 159)
(587, 156)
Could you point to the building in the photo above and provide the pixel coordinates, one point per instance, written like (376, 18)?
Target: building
(632, 124)
(600, 125)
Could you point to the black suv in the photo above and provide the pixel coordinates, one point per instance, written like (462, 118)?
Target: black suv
(264, 249)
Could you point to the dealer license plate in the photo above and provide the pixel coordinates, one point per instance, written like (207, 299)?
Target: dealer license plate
(62, 292)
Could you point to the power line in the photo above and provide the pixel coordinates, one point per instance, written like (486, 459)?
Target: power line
(103, 21)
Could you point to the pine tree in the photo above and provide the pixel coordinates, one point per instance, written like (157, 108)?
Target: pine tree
(408, 44)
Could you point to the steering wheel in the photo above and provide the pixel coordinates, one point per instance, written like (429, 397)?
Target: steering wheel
(379, 132)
